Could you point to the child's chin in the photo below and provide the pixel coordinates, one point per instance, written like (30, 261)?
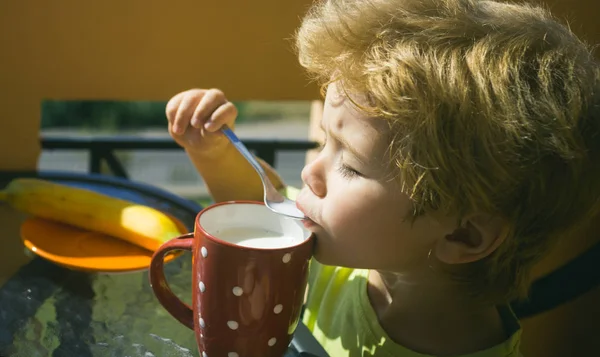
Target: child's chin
(318, 252)
(323, 255)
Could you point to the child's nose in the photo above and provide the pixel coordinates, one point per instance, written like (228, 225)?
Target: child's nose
(313, 176)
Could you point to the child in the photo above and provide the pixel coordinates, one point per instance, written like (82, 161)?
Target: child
(461, 141)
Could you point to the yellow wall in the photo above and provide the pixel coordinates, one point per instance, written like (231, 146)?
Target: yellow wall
(581, 15)
(138, 50)
(150, 49)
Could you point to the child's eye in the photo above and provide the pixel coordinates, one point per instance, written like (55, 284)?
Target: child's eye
(348, 172)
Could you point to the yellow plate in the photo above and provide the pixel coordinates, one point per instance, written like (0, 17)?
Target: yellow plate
(84, 250)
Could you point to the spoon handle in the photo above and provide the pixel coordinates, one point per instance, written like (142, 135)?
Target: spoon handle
(273, 199)
(243, 150)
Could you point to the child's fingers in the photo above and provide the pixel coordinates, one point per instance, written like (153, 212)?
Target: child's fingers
(184, 112)
(172, 106)
(212, 99)
(225, 114)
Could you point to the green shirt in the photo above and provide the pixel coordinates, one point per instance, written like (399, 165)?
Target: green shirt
(340, 316)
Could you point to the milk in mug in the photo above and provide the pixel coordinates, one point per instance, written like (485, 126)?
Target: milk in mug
(253, 237)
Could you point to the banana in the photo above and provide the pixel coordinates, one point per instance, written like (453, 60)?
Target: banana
(138, 224)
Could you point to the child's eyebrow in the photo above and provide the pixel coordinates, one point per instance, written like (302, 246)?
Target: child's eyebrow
(346, 145)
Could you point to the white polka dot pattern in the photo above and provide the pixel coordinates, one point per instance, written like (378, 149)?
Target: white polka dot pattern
(238, 291)
(233, 325)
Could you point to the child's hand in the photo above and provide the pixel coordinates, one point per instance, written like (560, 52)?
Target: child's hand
(195, 118)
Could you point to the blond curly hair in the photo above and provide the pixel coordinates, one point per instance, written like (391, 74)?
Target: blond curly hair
(493, 107)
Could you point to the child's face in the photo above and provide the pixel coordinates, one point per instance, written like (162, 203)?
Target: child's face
(357, 211)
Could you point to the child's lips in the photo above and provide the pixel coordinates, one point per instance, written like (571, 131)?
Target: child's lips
(307, 221)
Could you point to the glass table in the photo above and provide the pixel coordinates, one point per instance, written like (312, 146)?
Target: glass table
(48, 310)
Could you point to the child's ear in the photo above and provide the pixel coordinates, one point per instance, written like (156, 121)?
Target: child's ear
(477, 237)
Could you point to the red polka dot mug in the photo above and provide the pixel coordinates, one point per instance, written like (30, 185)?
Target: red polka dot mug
(250, 269)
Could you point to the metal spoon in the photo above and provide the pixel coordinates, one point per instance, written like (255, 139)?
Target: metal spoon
(273, 199)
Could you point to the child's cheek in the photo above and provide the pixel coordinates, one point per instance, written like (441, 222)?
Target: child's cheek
(346, 214)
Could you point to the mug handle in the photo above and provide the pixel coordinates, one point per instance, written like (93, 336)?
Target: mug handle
(180, 310)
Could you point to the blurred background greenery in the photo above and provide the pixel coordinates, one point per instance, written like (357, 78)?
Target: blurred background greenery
(131, 115)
